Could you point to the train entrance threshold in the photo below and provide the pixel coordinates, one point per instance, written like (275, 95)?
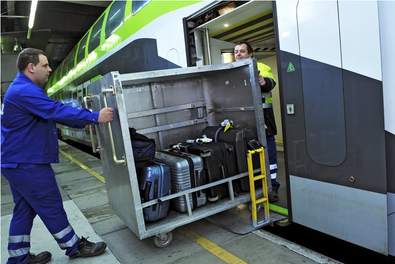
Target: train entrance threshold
(204, 241)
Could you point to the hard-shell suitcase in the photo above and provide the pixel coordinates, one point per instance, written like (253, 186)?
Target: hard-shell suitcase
(186, 173)
(242, 139)
(154, 182)
(219, 163)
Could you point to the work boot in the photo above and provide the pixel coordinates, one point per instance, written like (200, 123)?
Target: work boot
(41, 258)
(89, 249)
(273, 196)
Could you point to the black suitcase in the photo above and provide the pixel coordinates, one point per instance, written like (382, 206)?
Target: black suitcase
(186, 173)
(154, 182)
(218, 163)
(242, 139)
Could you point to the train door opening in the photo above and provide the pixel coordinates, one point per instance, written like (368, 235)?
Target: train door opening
(211, 36)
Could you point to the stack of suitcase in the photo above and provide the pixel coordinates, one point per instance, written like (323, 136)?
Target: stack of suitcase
(188, 166)
(218, 163)
(242, 139)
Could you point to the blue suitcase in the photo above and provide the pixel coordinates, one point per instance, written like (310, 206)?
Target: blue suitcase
(154, 182)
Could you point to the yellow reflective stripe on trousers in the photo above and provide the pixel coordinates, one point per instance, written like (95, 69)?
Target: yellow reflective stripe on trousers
(210, 246)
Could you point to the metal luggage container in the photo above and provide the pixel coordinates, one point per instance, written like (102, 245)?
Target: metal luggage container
(172, 106)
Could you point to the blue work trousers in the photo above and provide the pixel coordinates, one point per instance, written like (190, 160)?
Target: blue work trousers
(35, 191)
(271, 148)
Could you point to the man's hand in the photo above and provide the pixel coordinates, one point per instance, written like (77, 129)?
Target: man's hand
(262, 81)
(106, 115)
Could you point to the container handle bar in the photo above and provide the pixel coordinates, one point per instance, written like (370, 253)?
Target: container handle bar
(114, 154)
(94, 149)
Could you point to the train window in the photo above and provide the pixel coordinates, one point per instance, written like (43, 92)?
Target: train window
(94, 40)
(81, 49)
(59, 73)
(72, 59)
(138, 5)
(115, 17)
(64, 69)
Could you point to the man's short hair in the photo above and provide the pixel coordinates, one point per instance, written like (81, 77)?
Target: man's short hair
(249, 48)
(26, 56)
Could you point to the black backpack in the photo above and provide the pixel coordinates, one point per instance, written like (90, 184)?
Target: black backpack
(143, 149)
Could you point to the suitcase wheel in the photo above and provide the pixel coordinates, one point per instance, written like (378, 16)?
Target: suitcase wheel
(213, 199)
(163, 240)
(205, 155)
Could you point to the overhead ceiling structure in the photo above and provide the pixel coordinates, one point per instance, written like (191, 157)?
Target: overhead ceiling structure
(58, 26)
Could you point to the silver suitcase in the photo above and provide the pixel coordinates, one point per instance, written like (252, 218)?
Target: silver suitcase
(186, 173)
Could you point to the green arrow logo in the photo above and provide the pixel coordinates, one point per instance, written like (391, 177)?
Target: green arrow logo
(291, 67)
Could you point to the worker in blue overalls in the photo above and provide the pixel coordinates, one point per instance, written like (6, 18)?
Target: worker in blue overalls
(29, 145)
(243, 50)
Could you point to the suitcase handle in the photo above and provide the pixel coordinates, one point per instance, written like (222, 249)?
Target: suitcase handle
(147, 191)
(254, 144)
(217, 132)
(223, 171)
(156, 193)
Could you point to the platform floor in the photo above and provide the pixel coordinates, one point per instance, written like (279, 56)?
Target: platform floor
(80, 179)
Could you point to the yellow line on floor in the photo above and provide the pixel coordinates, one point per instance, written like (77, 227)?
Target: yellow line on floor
(210, 246)
(94, 173)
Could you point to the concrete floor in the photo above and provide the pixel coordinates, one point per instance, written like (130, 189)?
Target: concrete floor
(86, 202)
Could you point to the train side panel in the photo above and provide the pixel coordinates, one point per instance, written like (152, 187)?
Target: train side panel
(336, 143)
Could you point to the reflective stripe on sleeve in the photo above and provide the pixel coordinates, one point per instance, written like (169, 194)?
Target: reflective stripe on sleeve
(267, 100)
(265, 106)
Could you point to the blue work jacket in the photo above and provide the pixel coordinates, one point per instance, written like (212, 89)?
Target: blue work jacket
(28, 123)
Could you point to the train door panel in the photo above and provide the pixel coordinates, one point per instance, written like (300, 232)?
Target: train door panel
(334, 137)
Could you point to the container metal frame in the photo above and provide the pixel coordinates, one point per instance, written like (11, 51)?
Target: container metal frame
(172, 106)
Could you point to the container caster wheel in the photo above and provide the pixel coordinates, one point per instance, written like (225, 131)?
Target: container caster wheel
(258, 207)
(163, 240)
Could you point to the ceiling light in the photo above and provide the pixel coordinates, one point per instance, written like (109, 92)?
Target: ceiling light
(31, 17)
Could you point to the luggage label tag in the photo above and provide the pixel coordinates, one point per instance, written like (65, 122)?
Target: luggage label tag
(227, 123)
